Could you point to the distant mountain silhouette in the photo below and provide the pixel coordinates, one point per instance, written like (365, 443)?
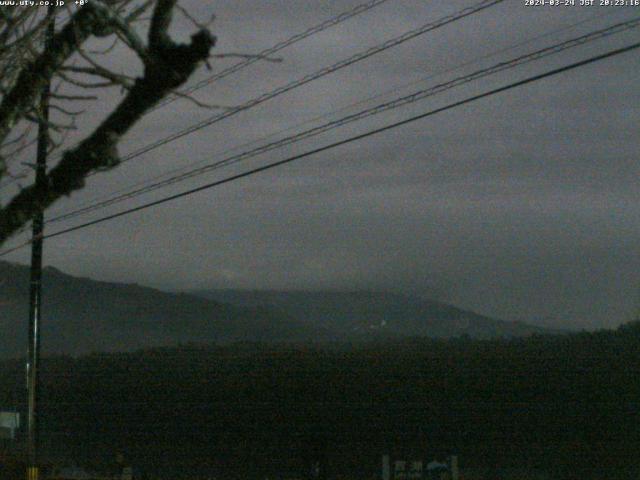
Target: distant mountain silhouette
(82, 315)
(360, 315)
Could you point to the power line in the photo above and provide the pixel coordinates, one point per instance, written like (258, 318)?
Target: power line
(409, 35)
(535, 78)
(396, 103)
(413, 97)
(276, 48)
(393, 42)
(342, 17)
(166, 175)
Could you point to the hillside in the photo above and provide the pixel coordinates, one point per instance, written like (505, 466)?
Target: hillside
(373, 314)
(82, 315)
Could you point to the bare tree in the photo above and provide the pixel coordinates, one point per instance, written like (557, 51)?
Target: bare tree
(25, 67)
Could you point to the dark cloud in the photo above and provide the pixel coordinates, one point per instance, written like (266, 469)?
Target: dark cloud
(523, 205)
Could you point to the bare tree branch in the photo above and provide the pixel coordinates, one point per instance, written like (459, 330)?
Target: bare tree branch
(64, 111)
(199, 103)
(81, 83)
(90, 18)
(99, 71)
(37, 119)
(72, 98)
(195, 22)
(136, 13)
(167, 65)
(160, 21)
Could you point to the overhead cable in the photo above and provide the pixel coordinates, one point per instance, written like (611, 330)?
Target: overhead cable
(396, 103)
(171, 173)
(268, 52)
(409, 35)
(535, 78)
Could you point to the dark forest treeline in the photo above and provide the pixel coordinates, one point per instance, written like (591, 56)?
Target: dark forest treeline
(567, 405)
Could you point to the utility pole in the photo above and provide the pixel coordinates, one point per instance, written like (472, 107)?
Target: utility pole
(33, 351)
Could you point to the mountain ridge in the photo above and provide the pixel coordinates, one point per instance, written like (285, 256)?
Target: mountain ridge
(399, 314)
(82, 315)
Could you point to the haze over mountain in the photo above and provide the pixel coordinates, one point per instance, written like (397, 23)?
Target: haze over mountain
(83, 315)
(361, 313)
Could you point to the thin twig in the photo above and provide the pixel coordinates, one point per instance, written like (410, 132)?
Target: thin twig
(59, 96)
(196, 23)
(65, 111)
(200, 103)
(80, 83)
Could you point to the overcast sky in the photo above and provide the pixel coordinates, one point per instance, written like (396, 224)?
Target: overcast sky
(524, 205)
